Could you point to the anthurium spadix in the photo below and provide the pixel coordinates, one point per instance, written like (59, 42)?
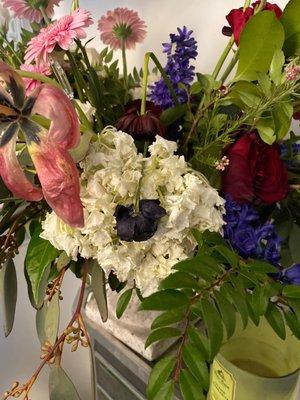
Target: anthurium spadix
(55, 168)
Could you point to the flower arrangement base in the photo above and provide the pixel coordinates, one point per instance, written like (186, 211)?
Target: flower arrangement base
(256, 364)
(119, 371)
(132, 329)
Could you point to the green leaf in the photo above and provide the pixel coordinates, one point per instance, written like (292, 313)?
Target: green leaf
(259, 300)
(264, 83)
(47, 321)
(276, 321)
(277, 66)
(196, 88)
(261, 37)
(214, 327)
(239, 301)
(98, 285)
(62, 261)
(168, 318)
(171, 115)
(159, 375)
(202, 265)
(266, 129)
(109, 57)
(164, 300)
(196, 364)
(292, 291)
(261, 266)
(293, 323)
(252, 314)
(8, 295)
(166, 392)
(60, 385)
(228, 254)
(161, 334)
(245, 93)
(179, 280)
(123, 302)
(200, 340)
(282, 115)
(227, 313)
(295, 306)
(291, 24)
(190, 388)
(294, 243)
(40, 254)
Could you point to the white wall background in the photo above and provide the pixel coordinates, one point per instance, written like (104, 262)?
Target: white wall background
(19, 354)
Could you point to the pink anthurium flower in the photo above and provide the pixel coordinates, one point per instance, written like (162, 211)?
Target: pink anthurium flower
(49, 149)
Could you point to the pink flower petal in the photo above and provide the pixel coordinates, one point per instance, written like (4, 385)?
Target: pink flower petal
(13, 175)
(59, 178)
(55, 105)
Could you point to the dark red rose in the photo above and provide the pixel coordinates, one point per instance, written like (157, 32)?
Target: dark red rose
(237, 18)
(145, 126)
(255, 173)
(296, 115)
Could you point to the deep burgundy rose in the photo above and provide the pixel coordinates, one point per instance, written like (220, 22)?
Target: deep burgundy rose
(145, 126)
(296, 115)
(255, 173)
(237, 19)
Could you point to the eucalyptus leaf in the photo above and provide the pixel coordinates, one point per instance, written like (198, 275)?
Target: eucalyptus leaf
(8, 295)
(47, 320)
(261, 37)
(60, 385)
(123, 302)
(159, 375)
(291, 24)
(162, 334)
(98, 285)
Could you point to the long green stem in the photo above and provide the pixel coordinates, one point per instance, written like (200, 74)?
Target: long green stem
(145, 83)
(12, 50)
(223, 57)
(79, 81)
(125, 77)
(39, 77)
(246, 4)
(44, 14)
(230, 66)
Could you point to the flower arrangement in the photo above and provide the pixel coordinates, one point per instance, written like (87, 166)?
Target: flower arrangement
(178, 186)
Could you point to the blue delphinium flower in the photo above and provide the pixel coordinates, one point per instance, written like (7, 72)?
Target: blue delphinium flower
(292, 275)
(180, 51)
(248, 236)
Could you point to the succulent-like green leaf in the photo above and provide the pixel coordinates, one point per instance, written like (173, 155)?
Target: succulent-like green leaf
(98, 284)
(8, 295)
(60, 385)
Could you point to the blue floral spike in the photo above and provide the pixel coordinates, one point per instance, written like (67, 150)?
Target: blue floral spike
(180, 51)
(247, 236)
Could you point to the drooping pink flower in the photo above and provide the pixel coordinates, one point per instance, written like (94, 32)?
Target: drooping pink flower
(61, 33)
(55, 168)
(25, 9)
(31, 84)
(122, 24)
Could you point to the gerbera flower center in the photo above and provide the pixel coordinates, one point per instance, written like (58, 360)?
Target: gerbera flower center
(122, 31)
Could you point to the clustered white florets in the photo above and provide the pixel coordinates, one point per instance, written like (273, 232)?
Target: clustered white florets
(111, 174)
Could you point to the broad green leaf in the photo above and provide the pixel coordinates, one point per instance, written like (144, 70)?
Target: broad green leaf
(245, 93)
(291, 24)
(98, 284)
(196, 364)
(168, 318)
(8, 295)
(295, 305)
(259, 300)
(196, 88)
(266, 129)
(190, 388)
(282, 115)
(292, 291)
(164, 300)
(227, 313)
(264, 83)
(166, 392)
(261, 266)
(276, 321)
(239, 301)
(261, 37)
(198, 236)
(228, 254)
(293, 323)
(213, 237)
(202, 265)
(170, 115)
(47, 321)
(60, 385)
(294, 243)
(200, 340)
(162, 334)
(179, 280)
(62, 261)
(40, 254)
(214, 327)
(159, 375)
(252, 314)
(277, 66)
(123, 302)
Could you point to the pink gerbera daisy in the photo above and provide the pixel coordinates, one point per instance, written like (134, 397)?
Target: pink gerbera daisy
(31, 84)
(30, 9)
(62, 33)
(122, 24)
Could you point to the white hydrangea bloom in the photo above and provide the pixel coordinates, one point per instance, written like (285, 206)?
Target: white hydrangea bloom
(112, 171)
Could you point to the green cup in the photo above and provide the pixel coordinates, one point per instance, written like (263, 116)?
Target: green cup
(255, 364)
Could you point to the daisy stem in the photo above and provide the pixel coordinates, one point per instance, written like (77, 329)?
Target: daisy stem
(145, 83)
(123, 48)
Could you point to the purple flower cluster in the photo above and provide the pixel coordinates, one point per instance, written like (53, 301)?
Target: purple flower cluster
(248, 236)
(180, 51)
(292, 275)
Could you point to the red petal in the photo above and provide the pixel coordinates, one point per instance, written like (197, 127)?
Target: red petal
(59, 178)
(13, 175)
(55, 105)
